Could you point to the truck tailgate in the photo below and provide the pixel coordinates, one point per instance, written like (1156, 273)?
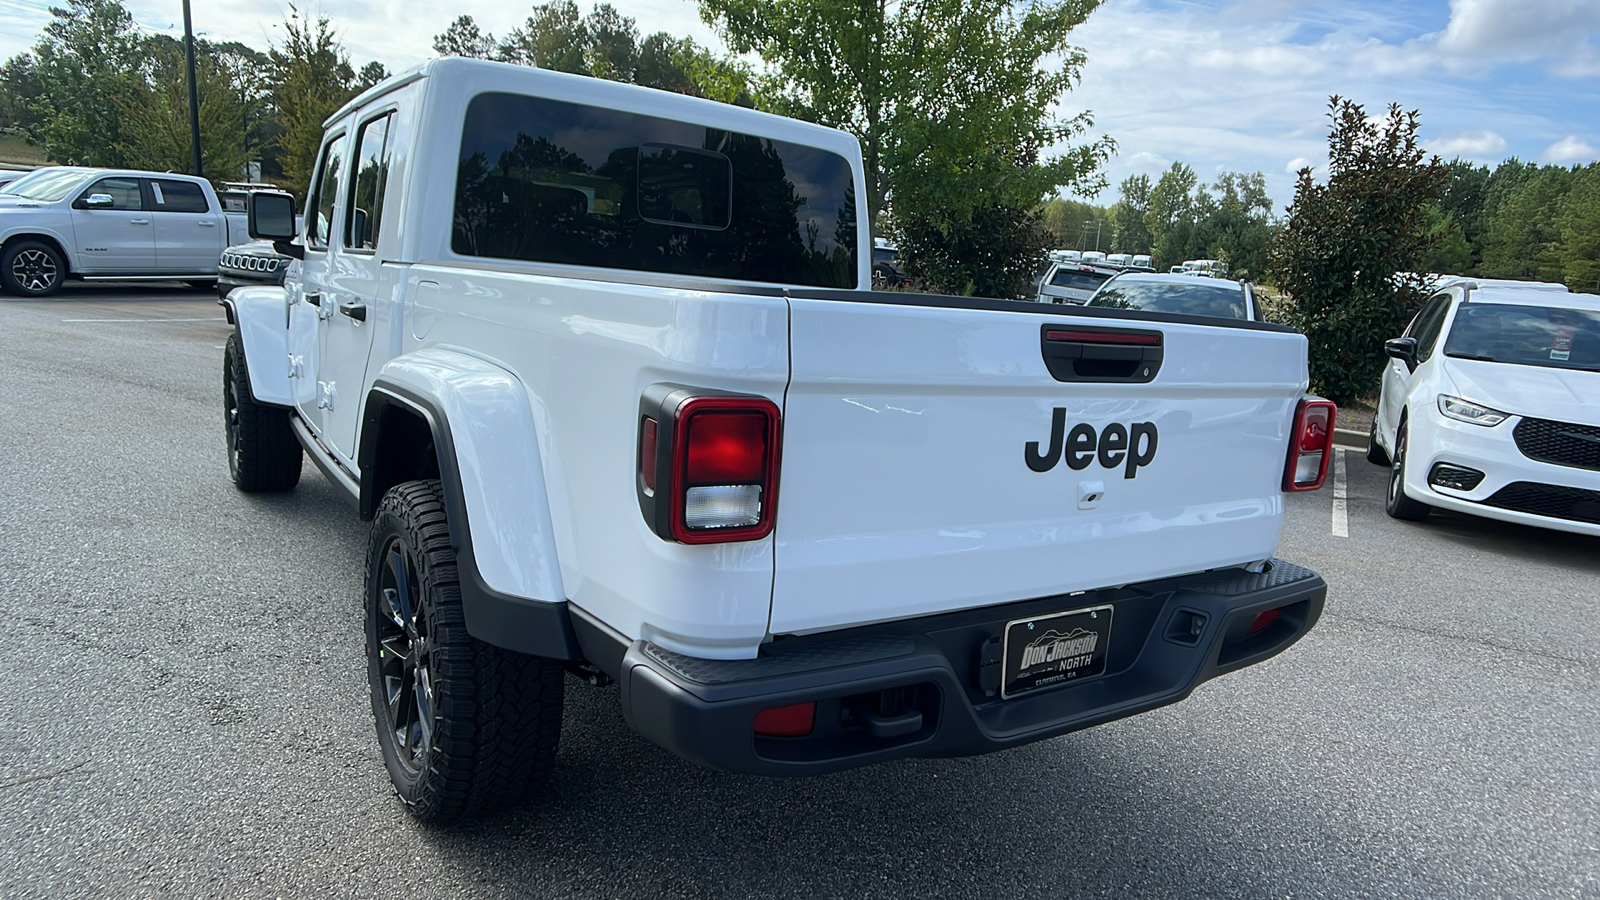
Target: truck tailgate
(909, 486)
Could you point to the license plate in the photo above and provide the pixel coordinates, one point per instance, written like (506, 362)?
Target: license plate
(1049, 651)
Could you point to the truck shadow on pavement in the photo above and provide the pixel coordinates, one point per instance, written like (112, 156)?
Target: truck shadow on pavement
(1064, 817)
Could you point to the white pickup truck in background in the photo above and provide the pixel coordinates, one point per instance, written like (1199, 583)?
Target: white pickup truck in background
(64, 222)
(604, 369)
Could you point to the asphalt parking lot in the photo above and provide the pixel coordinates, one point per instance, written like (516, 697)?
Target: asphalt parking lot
(185, 709)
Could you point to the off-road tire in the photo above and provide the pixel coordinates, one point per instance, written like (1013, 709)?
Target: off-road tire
(263, 454)
(484, 735)
(1375, 452)
(32, 269)
(1396, 503)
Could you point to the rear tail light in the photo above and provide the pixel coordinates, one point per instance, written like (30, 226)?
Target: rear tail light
(708, 464)
(1310, 445)
(786, 721)
(1265, 618)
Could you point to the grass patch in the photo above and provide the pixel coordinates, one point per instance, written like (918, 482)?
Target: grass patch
(14, 149)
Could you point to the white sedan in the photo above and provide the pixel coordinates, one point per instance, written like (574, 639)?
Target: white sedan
(1491, 406)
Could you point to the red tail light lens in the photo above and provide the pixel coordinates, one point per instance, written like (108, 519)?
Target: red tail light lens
(1264, 618)
(786, 721)
(726, 447)
(1310, 445)
(725, 469)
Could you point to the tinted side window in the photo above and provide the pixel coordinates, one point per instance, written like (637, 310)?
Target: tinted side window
(178, 196)
(124, 193)
(330, 174)
(560, 182)
(1428, 326)
(371, 178)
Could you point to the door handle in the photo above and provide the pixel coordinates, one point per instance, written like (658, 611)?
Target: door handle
(208, 224)
(138, 221)
(314, 300)
(354, 310)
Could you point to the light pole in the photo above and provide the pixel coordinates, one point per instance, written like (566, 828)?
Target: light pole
(194, 95)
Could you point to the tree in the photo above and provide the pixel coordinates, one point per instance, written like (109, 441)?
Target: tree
(155, 111)
(949, 99)
(1579, 223)
(310, 78)
(1341, 251)
(1521, 238)
(1449, 253)
(1170, 216)
(553, 37)
(1129, 233)
(1234, 223)
(20, 94)
(370, 74)
(463, 38)
(87, 60)
(1073, 224)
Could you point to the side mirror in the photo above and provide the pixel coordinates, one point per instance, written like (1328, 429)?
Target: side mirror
(1403, 349)
(99, 201)
(270, 215)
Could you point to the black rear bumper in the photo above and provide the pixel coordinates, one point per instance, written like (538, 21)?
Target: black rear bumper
(927, 687)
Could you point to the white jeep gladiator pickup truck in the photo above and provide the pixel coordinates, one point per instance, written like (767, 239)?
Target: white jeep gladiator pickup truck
(66, 222)
(603, 368)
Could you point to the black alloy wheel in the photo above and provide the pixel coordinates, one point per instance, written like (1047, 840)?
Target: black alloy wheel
(403, 656)
(464, 727)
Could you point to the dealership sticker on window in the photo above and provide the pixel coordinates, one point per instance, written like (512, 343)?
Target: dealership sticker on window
(1562, 348)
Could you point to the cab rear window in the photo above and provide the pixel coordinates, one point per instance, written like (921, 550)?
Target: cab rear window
(550, 181)
(1073, 278)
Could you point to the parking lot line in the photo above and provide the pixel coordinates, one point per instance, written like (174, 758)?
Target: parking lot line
(1341, 519)
(197, 319)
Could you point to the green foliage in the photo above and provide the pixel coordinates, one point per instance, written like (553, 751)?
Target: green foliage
(464, 38)
(20, 94)
(1340, 252)
(603, 44)
(989, 251)
(1522, 239)
(951, 100)
(1129, 232)
(370, 74)
(309, 79)
(1075, 225)
(1579, 222)
(87, 60)
(155, 112)
(1449, 253)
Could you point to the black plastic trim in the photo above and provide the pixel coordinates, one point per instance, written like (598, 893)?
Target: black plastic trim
(941, 668)
(942, 301)
(536, 627)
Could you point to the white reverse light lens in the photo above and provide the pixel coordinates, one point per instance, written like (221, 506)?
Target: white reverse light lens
(722, 506)
(1467, 411)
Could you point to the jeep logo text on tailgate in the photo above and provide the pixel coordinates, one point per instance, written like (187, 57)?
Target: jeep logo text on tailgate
(1130, 446)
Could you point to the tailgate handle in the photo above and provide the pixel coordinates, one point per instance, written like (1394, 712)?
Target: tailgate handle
(1101, 355)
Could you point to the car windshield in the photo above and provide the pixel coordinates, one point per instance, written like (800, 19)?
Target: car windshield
(45, 185)
(1198, 299)
(1077, 278)
(1551, 336)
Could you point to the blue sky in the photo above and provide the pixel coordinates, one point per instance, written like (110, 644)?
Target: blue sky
(1220, 85)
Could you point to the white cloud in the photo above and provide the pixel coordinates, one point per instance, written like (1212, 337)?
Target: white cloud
(1295, 165)
(1481, 145)
(1146, 161)
(1570, 149)
(1560, 32)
